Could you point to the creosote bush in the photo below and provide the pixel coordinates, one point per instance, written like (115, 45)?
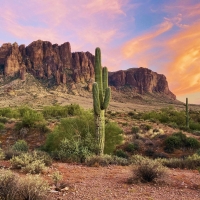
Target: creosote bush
(135, 129)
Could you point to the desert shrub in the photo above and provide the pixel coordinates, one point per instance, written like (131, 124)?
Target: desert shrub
(120, 153)
(149, 152)
(198, 152)
(20, 145)
(9, 153)
(3, 120)
(179, 140)
(8, 185)
(78, 136)
(131, 147)
(135, 129)
(105, 160)
(32, 187)
(9, 113)
(28, 162)
(57, 177)
(148, 170)
(146, 127)
(113, 137)
(42, 155)
(61, 111)
(2, 126)
(190, 162)
(136, 159)
(71, 151)
(192, 143)
(2, 154)
(194, 125)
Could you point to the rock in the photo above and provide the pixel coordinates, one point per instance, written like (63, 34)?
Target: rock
(141, 80)
(58, 65)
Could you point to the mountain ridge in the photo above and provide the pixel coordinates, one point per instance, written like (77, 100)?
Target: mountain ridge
(56, 65)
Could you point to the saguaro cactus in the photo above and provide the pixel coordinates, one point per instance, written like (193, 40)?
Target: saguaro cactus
(187, 113)
(101, 97)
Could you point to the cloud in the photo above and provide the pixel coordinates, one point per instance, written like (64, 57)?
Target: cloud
(137, 47)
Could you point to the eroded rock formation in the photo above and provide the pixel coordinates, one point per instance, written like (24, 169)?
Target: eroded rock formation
(56, 62)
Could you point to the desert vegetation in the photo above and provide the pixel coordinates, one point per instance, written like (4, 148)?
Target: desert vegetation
(150, 143)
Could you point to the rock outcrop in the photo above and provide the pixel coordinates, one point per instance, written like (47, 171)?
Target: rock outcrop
(141, 80)
(57, 64)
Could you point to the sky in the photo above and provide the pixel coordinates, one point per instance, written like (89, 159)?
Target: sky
(162, 35)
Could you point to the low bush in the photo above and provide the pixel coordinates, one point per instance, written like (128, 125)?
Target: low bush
(33, 187)
(20, 145)
(190, 162)
(3, 120)
(120, 153)
(2, 126)
(179, 140)
(148, 170)
(28, 162)
(135, 129)
(105, 160)
(131, 147)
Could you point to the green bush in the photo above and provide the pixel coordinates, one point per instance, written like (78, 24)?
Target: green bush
(120, 153)
(20, 145)
(179, 140)
(2, 126)
(3, 120)
(61, 111)
(28, 162)
(135, 129)
(131, 147)
(113, 137)
(9, 113)
(77, 135)
(2, 154)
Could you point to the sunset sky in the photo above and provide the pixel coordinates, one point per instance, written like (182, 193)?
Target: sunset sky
(162, 35)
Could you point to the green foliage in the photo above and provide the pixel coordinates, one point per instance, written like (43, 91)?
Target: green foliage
(105, 160)
(131, 147)
(135, 129)
(9, 113)
(2, 126)
(113, 137)
(120, 153)
(20, 145)
(61, 111)
(73, 138)
(29, 162)
(179, 140)
(190, 162)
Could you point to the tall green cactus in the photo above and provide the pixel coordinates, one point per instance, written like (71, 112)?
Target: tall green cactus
(187, 113)
(101, 97)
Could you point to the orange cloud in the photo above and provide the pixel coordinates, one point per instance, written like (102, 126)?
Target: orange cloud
(137, 47)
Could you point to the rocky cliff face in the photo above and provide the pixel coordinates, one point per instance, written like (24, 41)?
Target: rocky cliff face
(56, 63)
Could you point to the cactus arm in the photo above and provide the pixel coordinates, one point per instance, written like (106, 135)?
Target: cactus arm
(96, 103)
(187, 113)
(98, 73)
(107, 98)
(105, 79)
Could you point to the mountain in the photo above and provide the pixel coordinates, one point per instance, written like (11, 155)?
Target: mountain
(56, 65)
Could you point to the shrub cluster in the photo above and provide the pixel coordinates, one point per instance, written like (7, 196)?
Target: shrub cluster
(29, 187)
(179, 140)
(33, 162)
